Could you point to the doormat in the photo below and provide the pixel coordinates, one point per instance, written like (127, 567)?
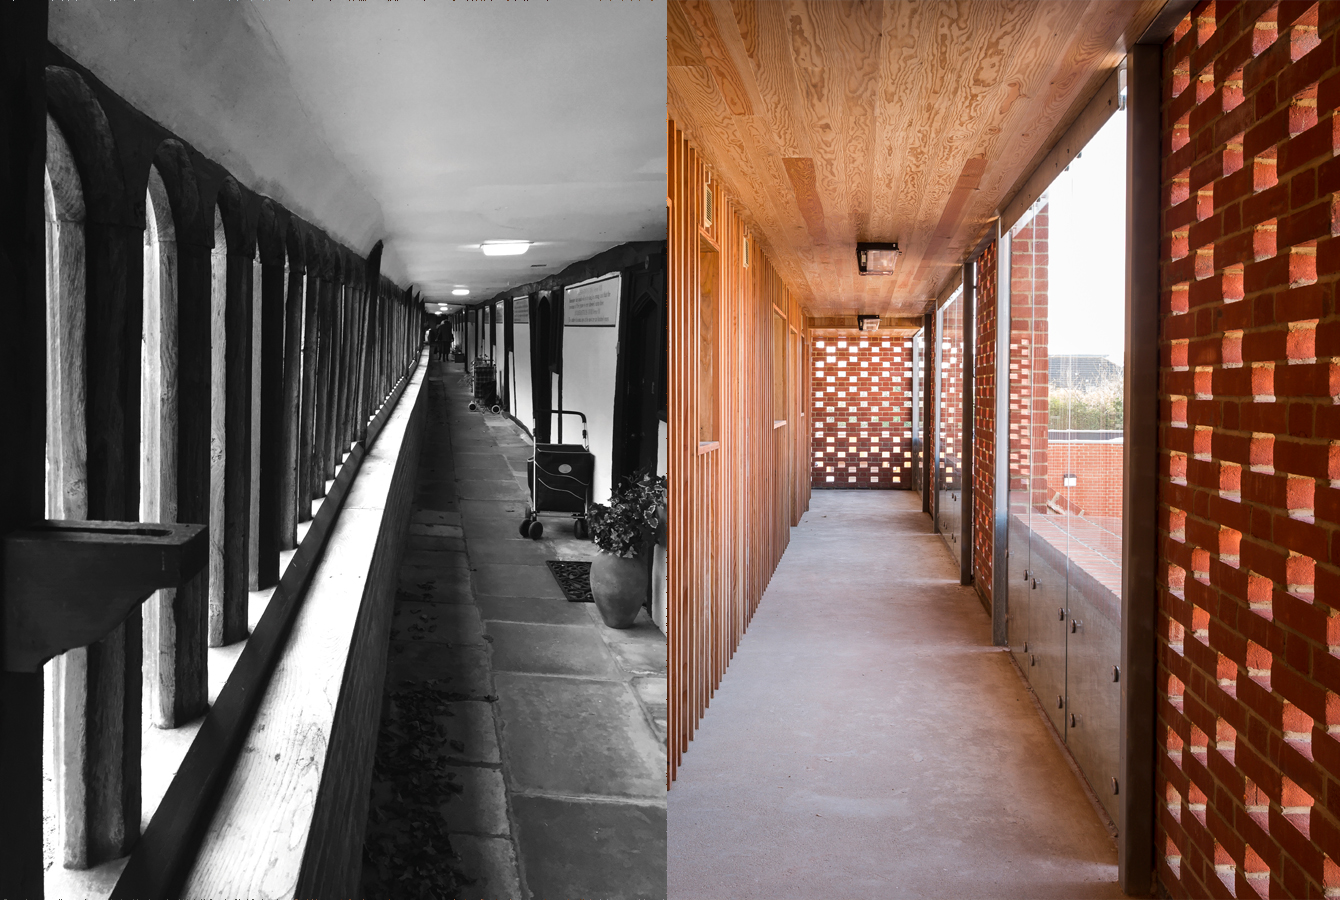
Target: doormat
(574, 578)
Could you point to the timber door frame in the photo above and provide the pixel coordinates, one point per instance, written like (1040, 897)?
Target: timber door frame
(640, 363)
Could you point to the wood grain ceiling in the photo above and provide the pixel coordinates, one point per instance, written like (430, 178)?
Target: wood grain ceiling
(834, 122)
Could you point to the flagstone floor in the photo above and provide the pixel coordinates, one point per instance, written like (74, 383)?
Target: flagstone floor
(548, 725)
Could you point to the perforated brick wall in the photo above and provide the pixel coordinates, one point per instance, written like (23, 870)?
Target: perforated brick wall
(949, 468)
(929, 495)
(984, 422)
(1249, 673)
(1029, 369)
(862, 414)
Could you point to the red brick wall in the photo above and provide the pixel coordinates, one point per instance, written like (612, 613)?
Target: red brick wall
(950, 465)
(863, 416)
(1029, 390)
(984, 422)
(1097, 470)
(1249, 674)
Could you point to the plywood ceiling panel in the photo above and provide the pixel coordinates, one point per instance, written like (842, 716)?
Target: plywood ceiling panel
(837, 121)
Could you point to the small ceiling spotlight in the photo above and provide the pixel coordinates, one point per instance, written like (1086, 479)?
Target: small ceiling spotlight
(876, 259)
(504, 248)
(459, 292)
(867, 323)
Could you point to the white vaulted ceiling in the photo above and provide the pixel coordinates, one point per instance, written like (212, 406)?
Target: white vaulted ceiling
(430, 125)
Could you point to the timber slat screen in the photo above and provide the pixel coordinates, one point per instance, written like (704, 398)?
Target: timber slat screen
(156, 265)
(739, 473)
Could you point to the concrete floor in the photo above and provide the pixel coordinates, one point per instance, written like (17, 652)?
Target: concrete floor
(868, 741)
(562, 719)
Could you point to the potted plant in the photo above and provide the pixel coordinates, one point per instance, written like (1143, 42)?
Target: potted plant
(625, 531)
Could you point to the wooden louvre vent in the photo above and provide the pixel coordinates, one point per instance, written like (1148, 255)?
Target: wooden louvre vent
(745, 252)
(707, 205)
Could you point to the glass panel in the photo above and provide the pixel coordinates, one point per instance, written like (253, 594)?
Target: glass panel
(949, 433)
(918, 408)
(1067, 310)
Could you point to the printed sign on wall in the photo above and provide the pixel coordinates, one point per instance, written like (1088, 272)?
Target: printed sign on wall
(520, 310)
(595, 303)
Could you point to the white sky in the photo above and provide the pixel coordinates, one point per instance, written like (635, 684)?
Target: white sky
(1087, 272)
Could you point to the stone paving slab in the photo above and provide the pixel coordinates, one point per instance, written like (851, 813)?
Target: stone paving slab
(439, 498)
(446, 479)
(436, 559)
(470, 724)
(521, 551)
(481, 808)
(531, 609)
(544, 649)
(492, 863)
(517, 581)
(652, 692)
(476, 459)
(439, 531)
(450, 585)
(463, 671)
(572, 849)
(444, 623)
(434, 542)
(577, 737)
(644, 656)
(434, 517)
(488, 509)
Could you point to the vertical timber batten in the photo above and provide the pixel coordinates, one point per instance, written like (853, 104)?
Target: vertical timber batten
(736, 493)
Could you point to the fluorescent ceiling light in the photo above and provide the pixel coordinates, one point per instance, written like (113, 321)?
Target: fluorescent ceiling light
(504, 248)
(459, 292)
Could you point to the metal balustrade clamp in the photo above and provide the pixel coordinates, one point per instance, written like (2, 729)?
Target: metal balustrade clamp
(69, 583)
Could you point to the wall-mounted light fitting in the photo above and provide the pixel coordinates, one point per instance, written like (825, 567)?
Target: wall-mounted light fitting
(867, 323)
(876, 259)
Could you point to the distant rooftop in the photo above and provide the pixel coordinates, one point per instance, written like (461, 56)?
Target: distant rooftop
(1081, 372)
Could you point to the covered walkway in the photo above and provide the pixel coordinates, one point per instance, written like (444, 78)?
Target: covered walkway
(522, 752)
(868, 741)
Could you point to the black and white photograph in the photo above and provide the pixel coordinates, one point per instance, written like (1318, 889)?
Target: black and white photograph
(334, 500)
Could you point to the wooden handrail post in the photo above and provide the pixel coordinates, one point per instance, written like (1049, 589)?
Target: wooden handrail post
(189, 678)
(290, 415)
(271, 397)
(228, 612)
(23, 48)
(324, 334)
(307, 416)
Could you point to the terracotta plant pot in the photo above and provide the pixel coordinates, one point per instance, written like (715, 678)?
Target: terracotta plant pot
(619, 587)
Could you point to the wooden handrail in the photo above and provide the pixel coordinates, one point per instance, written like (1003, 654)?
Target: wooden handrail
(162, 859)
